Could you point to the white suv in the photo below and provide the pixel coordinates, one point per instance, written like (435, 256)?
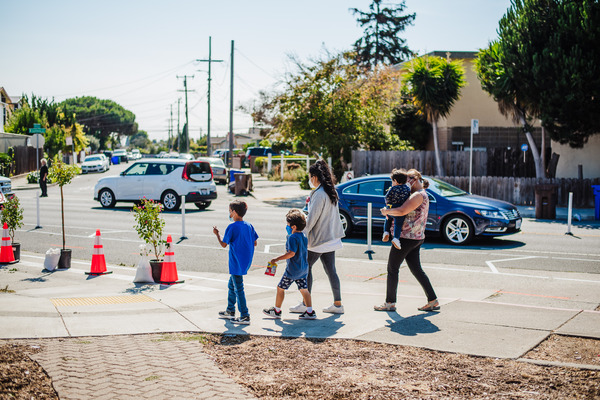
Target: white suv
(164, 180)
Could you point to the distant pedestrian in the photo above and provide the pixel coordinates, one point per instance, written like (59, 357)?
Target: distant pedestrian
(44, 178)
(324, 232)
(297, 266)
(396, 195)
(241, 238)
(416, 209)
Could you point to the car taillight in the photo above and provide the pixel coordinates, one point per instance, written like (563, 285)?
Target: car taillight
(184, 173)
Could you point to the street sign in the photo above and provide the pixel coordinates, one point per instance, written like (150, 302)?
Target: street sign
(474, 126)
(37, 140)
(524, 147)
(37, 128)
(69, 140)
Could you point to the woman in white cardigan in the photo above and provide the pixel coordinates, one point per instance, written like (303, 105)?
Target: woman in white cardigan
(324, 232)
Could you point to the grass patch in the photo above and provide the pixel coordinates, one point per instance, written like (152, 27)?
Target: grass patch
(203, 339)
(83, 342)
(152, 378)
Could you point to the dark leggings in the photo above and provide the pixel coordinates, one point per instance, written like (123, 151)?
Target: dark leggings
(410, 251)
(328, 260)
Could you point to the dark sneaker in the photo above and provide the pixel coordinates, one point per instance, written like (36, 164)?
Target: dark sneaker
(272, 312)
(226, 314)
(307, 315)
(241, 320)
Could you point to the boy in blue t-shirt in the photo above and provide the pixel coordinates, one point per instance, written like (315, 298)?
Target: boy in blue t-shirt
(241, 238)
(296, 255)
(396, 195)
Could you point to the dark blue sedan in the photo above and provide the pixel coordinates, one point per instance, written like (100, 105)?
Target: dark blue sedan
(453, 213)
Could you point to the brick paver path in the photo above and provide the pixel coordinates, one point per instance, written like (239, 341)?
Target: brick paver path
(133, 367)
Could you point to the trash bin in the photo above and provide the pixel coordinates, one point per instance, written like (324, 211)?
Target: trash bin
(232, 173)
(115, 160)
(545, 201)
(243, 184)
(597, 198)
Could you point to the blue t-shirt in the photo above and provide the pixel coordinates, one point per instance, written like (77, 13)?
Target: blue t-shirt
(297, 266)
(240, 236)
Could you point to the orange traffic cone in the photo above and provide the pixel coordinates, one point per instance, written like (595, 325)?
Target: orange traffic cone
(168, 275)
(6, 253)
(98, 261)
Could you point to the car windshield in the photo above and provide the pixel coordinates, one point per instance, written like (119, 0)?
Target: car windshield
(214, 162)
(93, 158)
(444, 189)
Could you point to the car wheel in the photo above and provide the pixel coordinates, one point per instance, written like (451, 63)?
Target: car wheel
(203, 205)
(457, 230)
(346, 222)
(107, 198)
(170, 201)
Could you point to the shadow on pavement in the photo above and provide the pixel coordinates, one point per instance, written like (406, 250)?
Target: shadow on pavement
(413, 325)
(318, 328)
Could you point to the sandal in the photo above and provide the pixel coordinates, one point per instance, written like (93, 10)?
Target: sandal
(433, 305)
(385, 307)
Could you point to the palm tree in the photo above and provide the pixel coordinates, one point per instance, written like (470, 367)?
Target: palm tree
(434, 84)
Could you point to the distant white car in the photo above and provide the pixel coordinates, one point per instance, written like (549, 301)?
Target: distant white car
(95, 163)
(186, 156)
(161, 179)
(122, 154)
(135, 154)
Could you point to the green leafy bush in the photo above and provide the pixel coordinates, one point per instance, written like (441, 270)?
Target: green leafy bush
(149, 224)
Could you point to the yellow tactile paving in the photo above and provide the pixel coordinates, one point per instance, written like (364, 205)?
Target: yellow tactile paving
(95, 301)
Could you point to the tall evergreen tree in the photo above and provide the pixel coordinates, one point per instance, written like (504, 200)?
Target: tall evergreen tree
(381, 43)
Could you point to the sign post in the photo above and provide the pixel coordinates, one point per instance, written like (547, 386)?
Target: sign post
(38, 142)
(474, 131)
(524, 148)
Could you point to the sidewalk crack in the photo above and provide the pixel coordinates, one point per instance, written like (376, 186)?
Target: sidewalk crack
(62, 319)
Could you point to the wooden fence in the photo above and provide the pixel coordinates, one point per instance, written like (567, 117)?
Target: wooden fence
(24, 160)
(521, 191)
(492, 162)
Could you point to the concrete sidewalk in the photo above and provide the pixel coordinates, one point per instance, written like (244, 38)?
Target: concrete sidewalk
(68, 303)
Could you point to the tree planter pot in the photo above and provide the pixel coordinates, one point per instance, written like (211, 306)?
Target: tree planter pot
(64, 262)
(156, 266)
(17, 251)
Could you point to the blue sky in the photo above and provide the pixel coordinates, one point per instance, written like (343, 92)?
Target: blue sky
(131, 51)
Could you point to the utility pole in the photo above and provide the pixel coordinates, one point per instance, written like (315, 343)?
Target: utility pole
(178, 116)
(209, 61)
(230, 160)
(170, 129)
(184, 141)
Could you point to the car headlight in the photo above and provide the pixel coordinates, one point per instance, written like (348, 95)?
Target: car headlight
(494, 214)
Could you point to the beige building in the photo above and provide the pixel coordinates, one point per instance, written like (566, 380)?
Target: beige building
(495, 130)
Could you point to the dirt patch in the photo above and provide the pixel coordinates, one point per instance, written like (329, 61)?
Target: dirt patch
(21, 377)
(297, 368)
(279, 368)
(568, 349)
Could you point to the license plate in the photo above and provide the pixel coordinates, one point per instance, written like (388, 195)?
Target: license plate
(518, 224)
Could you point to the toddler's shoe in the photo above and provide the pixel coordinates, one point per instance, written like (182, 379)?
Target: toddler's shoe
(272, 312)
(333, 309)
(396, 243)
(307, 315)
(241, 320)
(299, 309)
(386, 237)
(226, 314)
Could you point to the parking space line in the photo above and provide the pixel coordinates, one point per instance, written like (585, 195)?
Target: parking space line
(493, 268)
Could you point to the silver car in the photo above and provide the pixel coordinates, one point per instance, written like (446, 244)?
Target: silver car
(218, 167)
(95, 163)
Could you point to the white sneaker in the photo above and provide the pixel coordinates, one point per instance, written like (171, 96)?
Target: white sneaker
(386, 237)
(299, 309)
(396, 243)
(333, 309)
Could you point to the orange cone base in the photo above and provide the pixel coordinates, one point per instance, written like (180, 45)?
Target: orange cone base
(170, 283)
(99, 273)
(6, 255)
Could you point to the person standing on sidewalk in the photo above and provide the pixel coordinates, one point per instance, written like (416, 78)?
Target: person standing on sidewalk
(416, 209)
(241, 238)
(44, 178)
(324, 231)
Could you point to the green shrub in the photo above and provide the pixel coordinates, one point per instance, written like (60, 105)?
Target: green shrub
(304, 183)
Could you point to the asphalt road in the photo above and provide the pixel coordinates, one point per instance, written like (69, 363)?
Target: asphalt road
(541, 246)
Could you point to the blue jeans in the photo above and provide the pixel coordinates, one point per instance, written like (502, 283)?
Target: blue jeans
(398, 222)
(236, 293)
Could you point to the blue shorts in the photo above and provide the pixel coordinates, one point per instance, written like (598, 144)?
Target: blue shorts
(286, 282)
